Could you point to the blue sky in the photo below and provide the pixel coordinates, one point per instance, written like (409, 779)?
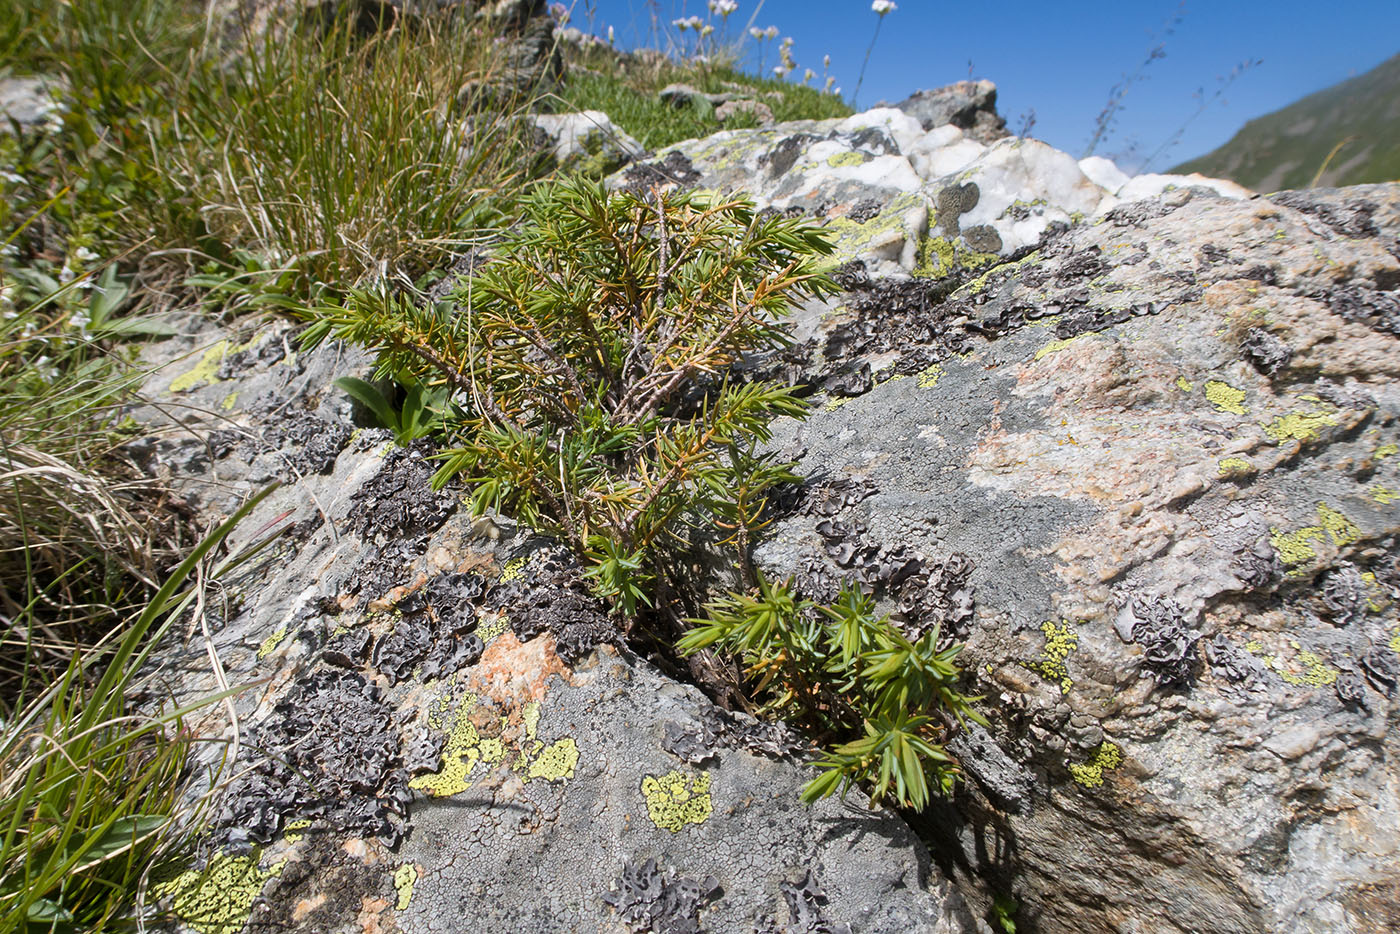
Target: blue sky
(1061, 59)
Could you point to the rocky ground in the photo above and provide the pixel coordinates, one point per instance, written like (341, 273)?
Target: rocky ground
(1134, 441)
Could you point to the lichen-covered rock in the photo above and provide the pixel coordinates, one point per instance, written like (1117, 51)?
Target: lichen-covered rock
(903, 195)
(1141, 456)
(441, 732)
(1166, 442)
(587, 141)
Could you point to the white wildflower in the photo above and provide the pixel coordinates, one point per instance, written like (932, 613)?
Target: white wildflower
(723, 7)
(884, 6)
(756, 32)
(771, 32)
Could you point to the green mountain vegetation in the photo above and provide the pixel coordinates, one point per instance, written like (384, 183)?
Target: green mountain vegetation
(1348, 134)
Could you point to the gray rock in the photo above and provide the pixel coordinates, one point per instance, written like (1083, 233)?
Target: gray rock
(971, 106)
(756, 109)
(1132, 444)
(29, 101)
(587, 141)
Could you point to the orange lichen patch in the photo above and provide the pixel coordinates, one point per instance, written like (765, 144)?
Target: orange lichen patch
(307, 905)
(514, 672)
(369, 918)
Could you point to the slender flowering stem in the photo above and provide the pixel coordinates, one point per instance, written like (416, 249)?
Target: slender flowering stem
(861, 79)
(881, 7)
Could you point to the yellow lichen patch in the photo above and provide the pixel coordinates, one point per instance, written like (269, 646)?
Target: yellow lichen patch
(1395, 642)
(1225, 397)
(1059, 642)
(1379, 598)
(879, 232)
(1342, 530)
(555, 762)
(1295, 548)
(929, 377)
(219, 899)
(1387, 450)
(1300, 426)
(676, 799)
(1184, 384)
(1090, 774)
(459, 756)
(205, 371)
(491, 750)
(493, 628)
(1383, 494)
(467, 748)
(1056, 346)
(842, 160)
(1000, 269)
(530, 716)
(512, 570)
(270, 644)
(405, 877)
(229, 402)
(1235, 467)
(1307, 669)
(835, 402)
(290, 831)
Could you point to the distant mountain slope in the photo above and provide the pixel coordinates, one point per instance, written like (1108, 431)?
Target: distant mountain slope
(1285, 149)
